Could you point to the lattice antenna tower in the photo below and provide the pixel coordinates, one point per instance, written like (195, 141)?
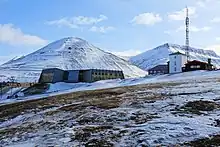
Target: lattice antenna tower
(187, 34)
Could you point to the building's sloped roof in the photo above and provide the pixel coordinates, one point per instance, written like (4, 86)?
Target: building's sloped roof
(160, 67)
(177, 53)
(196, 62)
(103, 70)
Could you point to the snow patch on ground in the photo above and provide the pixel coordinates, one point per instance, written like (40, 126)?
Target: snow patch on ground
(64, 88)
(166, 129)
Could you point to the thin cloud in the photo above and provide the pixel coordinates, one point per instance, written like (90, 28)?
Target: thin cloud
(101, 29)
(215, 47)
(181, 15)
(76, 22)
(215, 20)
(127, 53)
(147, 19)
(194, 29)
(9, 34)
(63, 22)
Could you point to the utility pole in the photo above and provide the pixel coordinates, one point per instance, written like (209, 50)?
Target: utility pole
(187, 34)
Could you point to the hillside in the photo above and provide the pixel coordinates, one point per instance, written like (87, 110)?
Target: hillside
(168, 110)
(160, 55)
(69, 53)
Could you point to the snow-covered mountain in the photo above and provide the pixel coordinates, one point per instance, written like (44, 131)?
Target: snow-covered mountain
(71, 53)
(160, 55)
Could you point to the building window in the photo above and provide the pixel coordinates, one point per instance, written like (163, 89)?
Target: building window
(175, 63)
(174, 68)
(195, 66)
(66, 75)
(174, 57)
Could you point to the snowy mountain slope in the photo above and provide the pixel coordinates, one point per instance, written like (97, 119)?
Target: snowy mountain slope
(126, 58)
(160, 55)
(72, 53)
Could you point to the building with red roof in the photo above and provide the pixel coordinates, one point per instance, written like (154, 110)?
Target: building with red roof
(198, 65)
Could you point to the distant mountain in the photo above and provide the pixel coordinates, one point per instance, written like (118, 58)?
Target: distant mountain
(71, 53)
(126, 58)
(160, 55)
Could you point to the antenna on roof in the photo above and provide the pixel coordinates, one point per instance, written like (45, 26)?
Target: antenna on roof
(187, 33)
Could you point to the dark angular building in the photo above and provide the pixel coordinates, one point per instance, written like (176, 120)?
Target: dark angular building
(198, 65)
(51, 75)
(159, 69)
(54, 75)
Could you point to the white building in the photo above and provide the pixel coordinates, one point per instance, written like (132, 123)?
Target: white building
(176, 62)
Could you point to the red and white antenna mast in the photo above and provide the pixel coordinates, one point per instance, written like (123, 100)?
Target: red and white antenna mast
(187, 34)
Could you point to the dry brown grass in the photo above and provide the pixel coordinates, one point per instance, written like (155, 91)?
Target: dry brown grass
(197, 107)
(213, 141)
(104, 99)
(27, 128)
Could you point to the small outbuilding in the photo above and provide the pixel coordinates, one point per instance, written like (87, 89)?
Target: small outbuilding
(159, 69)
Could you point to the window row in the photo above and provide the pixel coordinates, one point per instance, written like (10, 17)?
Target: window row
(195, 66)
(111, 74)
(156, 71)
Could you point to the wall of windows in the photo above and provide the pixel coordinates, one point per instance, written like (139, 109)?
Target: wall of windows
(104, 75)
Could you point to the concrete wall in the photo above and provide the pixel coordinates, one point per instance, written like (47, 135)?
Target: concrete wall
(58, 75)
(52, 75)
(176, 63)
(87, 76)
(73, 76)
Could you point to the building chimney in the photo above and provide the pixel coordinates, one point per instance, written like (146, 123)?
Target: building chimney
(209, 61)
(209, 64)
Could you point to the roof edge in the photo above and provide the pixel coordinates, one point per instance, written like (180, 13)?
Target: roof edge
(177, 53)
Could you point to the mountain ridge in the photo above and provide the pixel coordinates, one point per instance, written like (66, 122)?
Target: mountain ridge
(160, 55)
(72, 53)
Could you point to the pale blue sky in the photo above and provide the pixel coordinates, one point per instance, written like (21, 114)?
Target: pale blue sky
(126, 27)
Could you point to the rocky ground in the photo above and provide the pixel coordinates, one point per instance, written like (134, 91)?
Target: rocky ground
(169, 113)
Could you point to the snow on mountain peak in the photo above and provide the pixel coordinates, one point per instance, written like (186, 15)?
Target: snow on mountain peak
(72, 53)
(160, 55)
(65, 43)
